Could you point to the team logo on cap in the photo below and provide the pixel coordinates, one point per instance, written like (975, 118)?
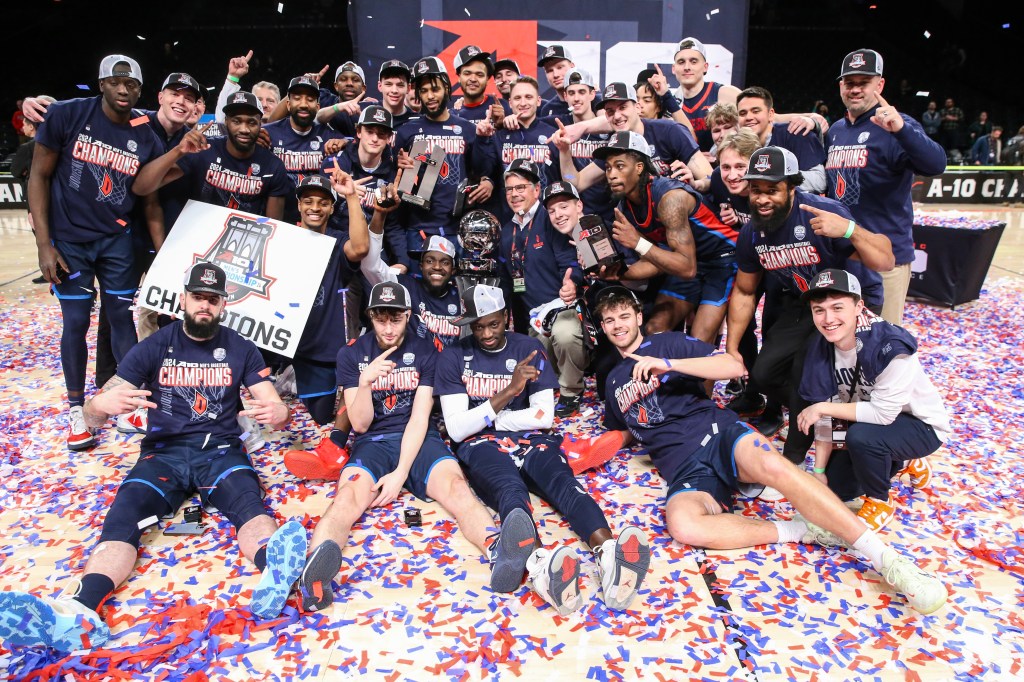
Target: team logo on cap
(609, 91)
(824, 280)
(183, 78)
(239, 98)
(472, 51)
(387, 294)
(422, 67)
(857, 60)
(763, 163)
(551, 51)
(379, 116)
(209, 277)
(240, 251)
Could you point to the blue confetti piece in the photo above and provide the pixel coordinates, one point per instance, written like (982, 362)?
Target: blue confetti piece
(262, 219)
(75, 275)
(541, 366)
(86, 87)
(644, 344)
(294, 305)
(278, 315)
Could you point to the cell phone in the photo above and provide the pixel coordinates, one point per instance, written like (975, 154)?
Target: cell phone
(413, 517)
(185, 529)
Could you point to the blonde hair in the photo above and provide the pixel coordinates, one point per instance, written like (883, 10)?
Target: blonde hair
(722, 112)
(743, 141)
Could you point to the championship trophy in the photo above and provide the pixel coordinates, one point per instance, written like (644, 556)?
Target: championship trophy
(479, 232)
(418, 182)
(595, 247)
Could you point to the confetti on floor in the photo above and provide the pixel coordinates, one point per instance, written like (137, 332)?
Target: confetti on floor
(413, 603)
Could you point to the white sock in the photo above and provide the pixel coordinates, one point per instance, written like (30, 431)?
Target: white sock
(872, 547)
(790, 531)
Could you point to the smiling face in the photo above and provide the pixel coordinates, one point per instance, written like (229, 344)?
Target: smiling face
(524, 101)
(770, 203)
(393, 90)
(579, 98)
(719, 130)
(835, 316)
(473, 79)
(243, 129)
(178, 106)
(433, 96)
(373, 139)
(622, 115)
(437, 269)
(650, 106)
(302, 108)
(521, 192)
(621, 324)
(349, 85)
(564, 213)
(504, 78)
(756, 115)
(268, 100)
(733, 167)
(315, 208)
(860, 93)
(489, 331)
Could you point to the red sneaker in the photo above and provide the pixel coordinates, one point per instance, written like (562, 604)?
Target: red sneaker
(80, 436)
(326, 460)
(596, 452)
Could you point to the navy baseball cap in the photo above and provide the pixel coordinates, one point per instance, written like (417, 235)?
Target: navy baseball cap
(525, 167)
(472, 53)
(554, 52)
(618, 92)
(376, 116)
(243, 103)
(862, 63)
(506, 64)
(206, 278)
(394, 67)
(559, 189)
(319, 182)
(304, 83)
(389, 295)
(182, 81)
(835, 280)
(773, 164)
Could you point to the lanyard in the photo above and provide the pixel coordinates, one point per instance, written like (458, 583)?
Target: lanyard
(519, 259)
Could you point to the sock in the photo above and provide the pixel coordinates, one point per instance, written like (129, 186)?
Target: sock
(96, 587)
(261, 558)
(339, 437)
(872, 547)
(790, 531)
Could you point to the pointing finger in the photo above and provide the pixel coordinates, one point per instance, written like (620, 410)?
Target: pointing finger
(657, 67)
(248, 57)
(324, 70)
(881, 100)
(388, 352)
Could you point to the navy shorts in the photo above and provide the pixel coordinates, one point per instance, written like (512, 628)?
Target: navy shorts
(378, 456)
(109, 258)
(315, 379)
(711, 286)
(177, 467)
(712, 467)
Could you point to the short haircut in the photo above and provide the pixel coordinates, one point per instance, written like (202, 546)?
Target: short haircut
(722, 112)
(743, 141)
(614, 299)
(268, 86)
(995, 128)
(819, 296)
(528, 80)
(756, 91)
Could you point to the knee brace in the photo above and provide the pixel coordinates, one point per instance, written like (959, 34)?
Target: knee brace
(135, 503)
(239, 496)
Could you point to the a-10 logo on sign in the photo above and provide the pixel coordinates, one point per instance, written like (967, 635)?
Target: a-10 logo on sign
(241, 252)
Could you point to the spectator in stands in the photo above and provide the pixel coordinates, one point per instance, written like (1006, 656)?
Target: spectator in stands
(1013, 151)
(952, 119)
(981, 127)
(821, 109)
(932, 121)
(987, 149)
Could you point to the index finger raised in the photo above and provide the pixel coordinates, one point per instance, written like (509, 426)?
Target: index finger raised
(657, 67)
(881, 100)
(528, 359)
(248, 57)
(388, 352)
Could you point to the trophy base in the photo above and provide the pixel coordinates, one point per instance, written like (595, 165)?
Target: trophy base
(415, 200)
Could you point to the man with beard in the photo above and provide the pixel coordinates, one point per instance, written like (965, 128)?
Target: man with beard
(87, 156)
(231, 171)
(299, 141)
(673, 149)
(388, 377)
(669, 231)
(194, 369)
(474, 68)
(466, 155)
(792, 236)
(874, 152)
(497, 394)
(506, 71)
(706, 454)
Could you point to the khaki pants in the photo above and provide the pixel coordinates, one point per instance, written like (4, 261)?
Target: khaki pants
(565, 347)
(895, 284)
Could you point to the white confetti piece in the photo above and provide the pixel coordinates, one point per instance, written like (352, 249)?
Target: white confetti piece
(280, 8)
(714, 11)
(927, 34)
(467, 12)
(140, 37)
(147, 522)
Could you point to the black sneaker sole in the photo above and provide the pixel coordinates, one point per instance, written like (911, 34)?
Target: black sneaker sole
(323, 564)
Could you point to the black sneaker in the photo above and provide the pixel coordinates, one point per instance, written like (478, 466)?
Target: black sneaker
(735, 387)
(769, 424)
(569, 406)
(747, 404)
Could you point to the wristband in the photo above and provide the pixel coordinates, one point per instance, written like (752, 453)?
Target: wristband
(336, 108)
(643, 246)
(819, 471)
(849, 230)
(233, 79)
(669, 102)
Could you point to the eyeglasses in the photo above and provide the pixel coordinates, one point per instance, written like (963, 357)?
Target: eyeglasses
(516, 189)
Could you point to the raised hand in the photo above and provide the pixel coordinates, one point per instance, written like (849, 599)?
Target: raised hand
(195, 141)
(887, 117)
(239, 66)
(658, 81)
(624, 232)
(380, 367)
(568, 291)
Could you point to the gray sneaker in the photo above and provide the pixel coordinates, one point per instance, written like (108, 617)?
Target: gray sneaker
(510, 551)
(923, 591)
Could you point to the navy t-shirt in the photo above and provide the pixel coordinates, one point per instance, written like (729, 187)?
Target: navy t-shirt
(478, 112)
(301, 153)
(326, 328)
(218, 178)
(696, 110)
(194, 383)
(465, 155)
(670, 142)
(346, 123)
(669, 414)
(90, 193)
(464, 367)
(719, 194)
(807, 149)
(415, 360)
(793, 255)
(433, 318)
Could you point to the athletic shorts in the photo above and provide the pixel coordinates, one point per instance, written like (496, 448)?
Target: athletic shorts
(108, 259)
(177, 467)
(712, 467)
(378, 456)
(711, 286)
(315, 379)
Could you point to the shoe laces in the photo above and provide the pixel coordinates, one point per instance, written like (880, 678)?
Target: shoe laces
(71, 589)
(902, 571)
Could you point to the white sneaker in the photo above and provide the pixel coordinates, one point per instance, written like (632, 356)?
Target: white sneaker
(285, 382)
(252, 434)
(771, 495)
(62, 623)
(80, 436)
(623, 563)
(556, 577)
(816, 535)
(923, 591)
(134, 422)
